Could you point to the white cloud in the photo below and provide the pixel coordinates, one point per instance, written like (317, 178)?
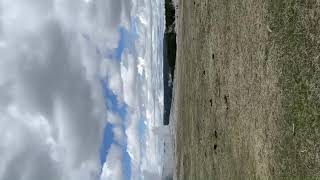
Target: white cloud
(113, 167)
(113, 118)
(133, 137)
(46, 80)
(130, 80)
(111, 70)
(141, 75)
(119, 135)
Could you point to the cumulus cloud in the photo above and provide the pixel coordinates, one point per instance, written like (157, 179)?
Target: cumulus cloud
(141, 74)
(113, 167)
(51, 103)
(47, 80)
(111, 70)
(130, 80)
(119, 135)
(113, 118)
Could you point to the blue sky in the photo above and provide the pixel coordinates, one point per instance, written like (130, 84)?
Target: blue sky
(126, 42)
(108, 137)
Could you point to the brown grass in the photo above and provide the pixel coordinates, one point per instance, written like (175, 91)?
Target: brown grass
(248, 89)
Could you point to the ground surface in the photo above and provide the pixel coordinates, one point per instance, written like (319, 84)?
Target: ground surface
(248, 89)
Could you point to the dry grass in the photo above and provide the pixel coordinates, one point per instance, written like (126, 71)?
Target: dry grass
(248, 89)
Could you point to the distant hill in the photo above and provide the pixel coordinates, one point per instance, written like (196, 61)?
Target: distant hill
(169, 58)
(170, 34)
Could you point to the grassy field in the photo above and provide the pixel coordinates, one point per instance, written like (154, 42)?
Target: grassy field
(248, 89)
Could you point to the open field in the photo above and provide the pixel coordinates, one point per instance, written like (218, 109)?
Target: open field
(248, 89)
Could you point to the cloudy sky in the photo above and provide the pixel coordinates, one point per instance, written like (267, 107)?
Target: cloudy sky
(80, 89)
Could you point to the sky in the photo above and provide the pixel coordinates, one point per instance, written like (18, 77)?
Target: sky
(81, 89)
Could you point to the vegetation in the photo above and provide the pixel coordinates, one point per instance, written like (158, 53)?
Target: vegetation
(248, 90)
(170, 47)
(170, 35)
(295, 35)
